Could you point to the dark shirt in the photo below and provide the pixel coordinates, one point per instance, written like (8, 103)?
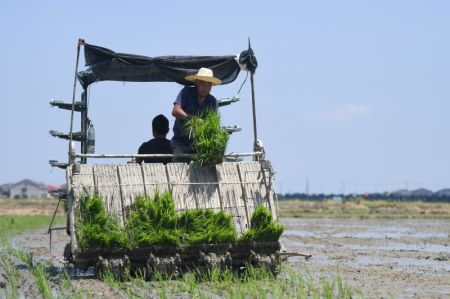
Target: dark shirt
(155, 146)
(187, 99)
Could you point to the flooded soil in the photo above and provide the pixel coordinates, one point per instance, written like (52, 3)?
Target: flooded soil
(383, 258)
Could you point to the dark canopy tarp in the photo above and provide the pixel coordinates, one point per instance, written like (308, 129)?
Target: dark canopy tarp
(104, 64)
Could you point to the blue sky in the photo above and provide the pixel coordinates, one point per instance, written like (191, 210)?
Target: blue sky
(351, 95)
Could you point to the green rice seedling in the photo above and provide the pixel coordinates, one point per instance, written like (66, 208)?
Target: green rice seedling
(97, 228)
(11, 275)
(327, 288)
(210, 140)
(189, 283)
(262, 227)
(38, 270)
(153, 221)
(65, 281)
(24, 256)
(41, 278)
(207, 227)
(342, 289)
(252, 273)
(110, 279)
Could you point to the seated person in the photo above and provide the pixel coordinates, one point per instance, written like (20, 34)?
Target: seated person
(158, 144)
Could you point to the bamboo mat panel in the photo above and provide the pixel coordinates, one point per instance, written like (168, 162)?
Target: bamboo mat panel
(231, 195)
(253, 185)
(81, 184)
(108, 187)
(204, 187)
(182, 193)
(155, 178)
(131, 183)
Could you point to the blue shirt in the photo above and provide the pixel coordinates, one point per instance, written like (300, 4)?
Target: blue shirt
(187, 99)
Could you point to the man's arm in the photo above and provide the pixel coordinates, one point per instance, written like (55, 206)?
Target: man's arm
(178, 112)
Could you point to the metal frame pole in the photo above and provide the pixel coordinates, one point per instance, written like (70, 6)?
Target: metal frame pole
(84, 125)
(255, 131)
(80, 42)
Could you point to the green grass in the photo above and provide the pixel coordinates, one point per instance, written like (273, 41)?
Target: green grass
(210, 140)
(22, 255)
(37, 269)
(68, 291)
(11, 276)
(252, 283)
(13, 225)
(41, 277)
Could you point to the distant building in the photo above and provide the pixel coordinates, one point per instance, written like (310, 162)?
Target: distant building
(4, 190)
(28, 189)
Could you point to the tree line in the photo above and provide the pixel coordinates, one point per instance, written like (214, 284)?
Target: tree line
(370, 196)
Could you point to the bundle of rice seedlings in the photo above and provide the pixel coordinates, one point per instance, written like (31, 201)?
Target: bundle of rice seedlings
(96, 228)
(210, 140)
(153, 221)
(262, 227)
(207, 227)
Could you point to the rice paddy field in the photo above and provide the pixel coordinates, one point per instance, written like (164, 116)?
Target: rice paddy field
(360, 250)
(364, 209)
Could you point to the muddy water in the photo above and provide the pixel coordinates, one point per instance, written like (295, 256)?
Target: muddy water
(37, 243)
(383, 258)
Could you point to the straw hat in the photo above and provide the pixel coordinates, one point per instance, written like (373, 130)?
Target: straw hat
(204, 74)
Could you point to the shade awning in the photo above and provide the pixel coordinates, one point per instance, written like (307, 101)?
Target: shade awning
(106, 65)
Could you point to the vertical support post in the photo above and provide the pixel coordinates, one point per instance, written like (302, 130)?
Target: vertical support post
(218, 188)
(255, 132)
(143, 178)
(53, 219)
(70, 211)
(84, 125)
(121, 195)
(169, 184)
(80, 42)
(51, 240)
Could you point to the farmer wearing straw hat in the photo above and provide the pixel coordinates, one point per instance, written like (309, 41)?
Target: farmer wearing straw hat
(190, 101)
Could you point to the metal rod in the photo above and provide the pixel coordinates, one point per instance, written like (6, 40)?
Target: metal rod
(80, 155)
(255, 132)
(54, 215)
(178, 184)
(84, 125)
(80, 42)
(59, 228)
(292, 254)
(121, 195)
